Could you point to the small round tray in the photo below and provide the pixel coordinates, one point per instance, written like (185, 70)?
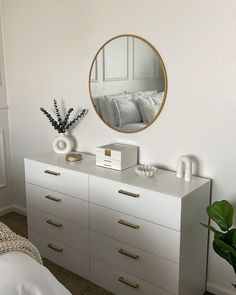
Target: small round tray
(73, 157)
(145, 170)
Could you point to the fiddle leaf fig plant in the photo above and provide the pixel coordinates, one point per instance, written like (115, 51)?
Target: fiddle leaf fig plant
(224, 244)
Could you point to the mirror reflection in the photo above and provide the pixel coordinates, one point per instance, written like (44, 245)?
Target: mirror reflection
(128, 83)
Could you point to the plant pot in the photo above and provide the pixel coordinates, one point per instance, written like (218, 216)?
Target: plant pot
(63, 144)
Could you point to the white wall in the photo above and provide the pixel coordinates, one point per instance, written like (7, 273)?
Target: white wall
(5, 193)
(50, 45)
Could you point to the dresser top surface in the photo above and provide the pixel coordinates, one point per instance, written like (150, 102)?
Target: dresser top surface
(164, 181)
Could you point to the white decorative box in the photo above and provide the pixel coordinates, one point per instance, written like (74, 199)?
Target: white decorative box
(117, 156)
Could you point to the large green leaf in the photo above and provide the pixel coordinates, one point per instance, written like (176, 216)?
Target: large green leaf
(222, 213)
(229, 237)
(211, 228)
(225, 251)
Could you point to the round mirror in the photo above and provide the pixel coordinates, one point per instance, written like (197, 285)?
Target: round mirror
(128, 83)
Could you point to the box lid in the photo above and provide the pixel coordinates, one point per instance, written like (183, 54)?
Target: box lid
(113, 150)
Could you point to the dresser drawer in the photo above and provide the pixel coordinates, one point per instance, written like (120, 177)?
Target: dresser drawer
(153, 269)
(67, 257)
(56, 178)
(108, 163)
(149, 205)
(120, 282)
(59, 229)
(57, 204)
(148, 236)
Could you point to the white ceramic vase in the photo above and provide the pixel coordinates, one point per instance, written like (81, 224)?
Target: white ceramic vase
(63, 144)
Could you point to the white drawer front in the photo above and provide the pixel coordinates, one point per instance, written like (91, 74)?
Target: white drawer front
(149, 205)
(69, 258)
(57, 204)
(108, 163)
(109, 277)
(59, 229)
(56, 178)
(148, 236)
(151, 268)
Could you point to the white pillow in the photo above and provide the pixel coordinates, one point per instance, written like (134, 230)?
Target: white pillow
(157, 98)
(147, 108)
(144, 93)
(107, 107)
(127, 112)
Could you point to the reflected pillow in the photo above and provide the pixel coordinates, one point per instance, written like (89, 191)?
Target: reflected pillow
(147, 108)
(154, 95)
(107, 107)
(144, 93)
(157, 98)
(127, 112)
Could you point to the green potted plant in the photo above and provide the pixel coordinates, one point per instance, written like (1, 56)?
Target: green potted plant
(224, 243)
(63, 143)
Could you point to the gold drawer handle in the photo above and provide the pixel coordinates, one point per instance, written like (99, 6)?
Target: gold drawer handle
(123, 252)
(121, 191)
(52, 198)
(51, 246)
(107, 152)
(52, 172)
(126, 282)
(49, 221)
(126, 223)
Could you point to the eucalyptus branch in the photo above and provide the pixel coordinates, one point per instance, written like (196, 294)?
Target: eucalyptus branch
(77, 118)
(63, 124)
(51, 119)
(65, 121)
(57, 111)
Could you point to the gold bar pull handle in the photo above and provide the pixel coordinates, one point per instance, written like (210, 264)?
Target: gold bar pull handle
(121, 191)
(126, 223)
(55, 248)
(126, 282)
(52, 172)
(49, 221)
(107, 152)
(123, 252)
(52, 198)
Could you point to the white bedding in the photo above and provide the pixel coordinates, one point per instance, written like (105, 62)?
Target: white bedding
(132, 127)
(129, 112)
(21, 275)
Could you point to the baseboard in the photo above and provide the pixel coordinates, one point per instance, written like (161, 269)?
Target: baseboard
(19, 209)
(13, 208)
(5, 210)
(218, 290)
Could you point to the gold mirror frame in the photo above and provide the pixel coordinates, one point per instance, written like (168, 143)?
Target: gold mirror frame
(164, 73)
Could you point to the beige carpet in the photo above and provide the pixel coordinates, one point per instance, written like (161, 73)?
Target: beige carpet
(74, 283)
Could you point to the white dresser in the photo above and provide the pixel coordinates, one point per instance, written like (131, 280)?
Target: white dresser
(128, 234)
